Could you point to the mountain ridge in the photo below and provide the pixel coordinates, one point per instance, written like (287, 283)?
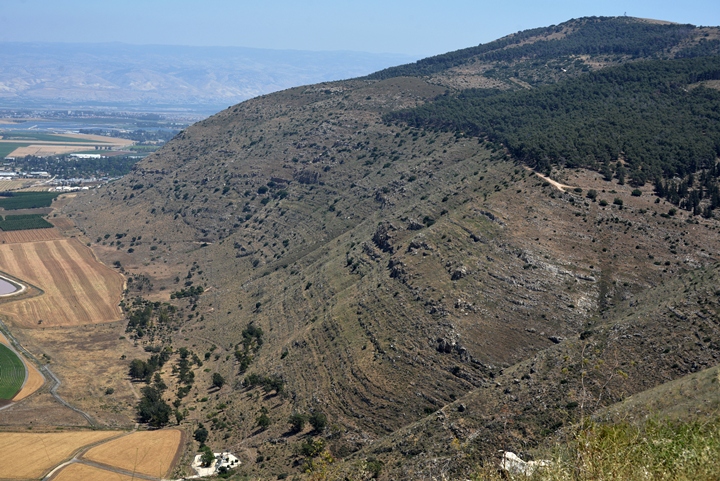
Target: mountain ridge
(423, 289)
(181, 76)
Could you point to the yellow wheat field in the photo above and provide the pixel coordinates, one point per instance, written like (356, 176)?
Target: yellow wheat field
(76, 472)
(31, 455)
(77, 288)
(149, 452)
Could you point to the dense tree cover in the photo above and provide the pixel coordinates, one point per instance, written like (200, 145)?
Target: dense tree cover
(145, 315)
(143, 370)
(268, 383)
(152, 409)
(587, 36)
(251, 343)
(68, 167)
(192, 291)
(644, 113)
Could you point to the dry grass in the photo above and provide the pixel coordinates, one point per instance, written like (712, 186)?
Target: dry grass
(76, 471)
(77, 288)
(6, 185)
(148, 452)
(30, 455)
(34, 381)
(30, 235)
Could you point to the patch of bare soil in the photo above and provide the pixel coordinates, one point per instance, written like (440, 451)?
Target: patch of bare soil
(91, 362)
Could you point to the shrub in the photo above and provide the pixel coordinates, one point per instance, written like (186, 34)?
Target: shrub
(297, 422)
(591, 194)
(201, 434)
(318, 421)
(636, 193)
(263, 421)
(603, 202)
(217, 380)
(618, 201)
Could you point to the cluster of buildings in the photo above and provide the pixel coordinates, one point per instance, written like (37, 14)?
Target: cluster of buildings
(10, 175)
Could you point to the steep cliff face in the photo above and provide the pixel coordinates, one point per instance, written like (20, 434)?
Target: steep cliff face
(396, 272)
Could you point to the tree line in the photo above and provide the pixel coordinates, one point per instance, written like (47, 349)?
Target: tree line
(641, 121)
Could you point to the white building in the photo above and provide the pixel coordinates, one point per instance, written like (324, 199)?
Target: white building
(222, 460)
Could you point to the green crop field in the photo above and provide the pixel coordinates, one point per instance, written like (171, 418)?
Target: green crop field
(7, 148)
(40, 136)
(12, 373)
(27, 200)
(24, 222)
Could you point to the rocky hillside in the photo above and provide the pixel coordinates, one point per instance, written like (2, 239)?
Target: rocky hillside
(431, 295)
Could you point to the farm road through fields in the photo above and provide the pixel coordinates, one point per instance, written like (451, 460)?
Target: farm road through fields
(50, 449)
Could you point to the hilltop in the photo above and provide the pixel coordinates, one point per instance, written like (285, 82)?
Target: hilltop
(334, 249)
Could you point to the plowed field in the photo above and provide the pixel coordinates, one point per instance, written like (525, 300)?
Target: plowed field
(148, 452)
(77, 288)
(30, 455)
(31, 235)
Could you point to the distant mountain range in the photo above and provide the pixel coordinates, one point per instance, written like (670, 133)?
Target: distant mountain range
(147, 76)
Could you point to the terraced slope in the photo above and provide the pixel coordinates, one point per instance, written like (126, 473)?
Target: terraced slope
(423, 289)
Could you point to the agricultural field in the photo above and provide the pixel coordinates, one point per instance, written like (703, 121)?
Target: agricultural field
(33, 235)
(77, 288)
(76, 471)
(34, 380)
(149, 452)
(23, 143)
(17, 184)
(27, 200)
(24, 222)
(12, 373)
(25, 135)
(6, 148)
(54, 449)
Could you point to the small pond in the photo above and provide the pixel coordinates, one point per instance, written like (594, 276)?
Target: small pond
(6, 287)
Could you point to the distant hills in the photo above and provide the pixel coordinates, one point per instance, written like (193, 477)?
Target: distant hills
(145, 76)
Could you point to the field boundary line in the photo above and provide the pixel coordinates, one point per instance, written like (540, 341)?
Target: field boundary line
(46, 370)
(15, 346)
(7, 299)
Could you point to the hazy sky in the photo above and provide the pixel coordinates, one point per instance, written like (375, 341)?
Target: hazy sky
(416, 27)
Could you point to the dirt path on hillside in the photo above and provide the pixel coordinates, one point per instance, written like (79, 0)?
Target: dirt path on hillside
(554, 183)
